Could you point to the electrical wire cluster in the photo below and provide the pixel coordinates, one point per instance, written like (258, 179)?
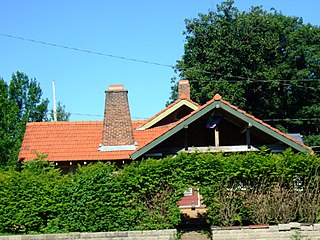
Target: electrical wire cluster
(243, 79)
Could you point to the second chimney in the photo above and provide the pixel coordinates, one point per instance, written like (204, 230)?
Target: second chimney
(117, 126)
(184, 89)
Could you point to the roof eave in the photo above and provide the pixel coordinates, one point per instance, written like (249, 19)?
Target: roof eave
(230, 109)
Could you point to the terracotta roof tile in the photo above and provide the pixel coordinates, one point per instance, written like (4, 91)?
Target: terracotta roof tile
(77, 141)
(217, 97)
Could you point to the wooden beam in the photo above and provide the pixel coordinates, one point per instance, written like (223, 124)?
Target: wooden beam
(186, 138)
(216, 136)
(248, 139)
(236, 148)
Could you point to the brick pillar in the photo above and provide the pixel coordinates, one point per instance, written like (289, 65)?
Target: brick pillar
(117, 126)
(184, 89)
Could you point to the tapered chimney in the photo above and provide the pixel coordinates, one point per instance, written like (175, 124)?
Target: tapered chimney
(184, 89)
(117, 126)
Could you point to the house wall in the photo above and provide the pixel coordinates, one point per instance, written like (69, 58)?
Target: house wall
(187, 201)
(230, 134)
(168, 234)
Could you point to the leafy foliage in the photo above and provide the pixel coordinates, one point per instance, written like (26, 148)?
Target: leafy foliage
(238, 189)
(263, 62)
(26, 94)
(10, 127)
(28, 201)
(20, 102)
(62, 114)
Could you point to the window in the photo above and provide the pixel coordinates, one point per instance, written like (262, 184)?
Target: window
(188, 192)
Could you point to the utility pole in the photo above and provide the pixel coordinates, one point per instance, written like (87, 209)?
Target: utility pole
(54, 102)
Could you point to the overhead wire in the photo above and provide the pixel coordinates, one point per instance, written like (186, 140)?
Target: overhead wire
(289, 119)
(86, 51)
(155, 63)
(263, 80)
(265, 120)
(86, 114)
(100, 115)
(243, 79)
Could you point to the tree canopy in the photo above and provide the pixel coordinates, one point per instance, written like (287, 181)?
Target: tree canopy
(263, 62)
(21, 102)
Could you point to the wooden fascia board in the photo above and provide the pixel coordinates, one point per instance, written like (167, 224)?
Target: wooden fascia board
(263, 128)
(183, 102)
(172, 131)
(217, 104)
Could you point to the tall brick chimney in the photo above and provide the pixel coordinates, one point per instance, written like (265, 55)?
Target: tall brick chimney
(117, 126)
(184, 89)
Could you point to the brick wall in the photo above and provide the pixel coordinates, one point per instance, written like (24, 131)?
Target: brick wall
(184, 89)
(169, 234)
(117, 126)
(280, 232)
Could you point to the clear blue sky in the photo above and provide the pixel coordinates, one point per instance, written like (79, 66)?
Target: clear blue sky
(140, 29)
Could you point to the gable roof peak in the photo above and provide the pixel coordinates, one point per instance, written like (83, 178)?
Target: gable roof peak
(217, 97)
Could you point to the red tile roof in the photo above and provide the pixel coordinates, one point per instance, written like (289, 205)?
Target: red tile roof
(79, 141)
(217, 97)
(76, 141)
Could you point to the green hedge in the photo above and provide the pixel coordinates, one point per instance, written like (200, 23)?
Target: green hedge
(238, 189)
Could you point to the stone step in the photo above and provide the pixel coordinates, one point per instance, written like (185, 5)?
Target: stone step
(194, 236)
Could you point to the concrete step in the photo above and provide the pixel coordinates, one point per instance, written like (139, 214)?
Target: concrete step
(194, 236)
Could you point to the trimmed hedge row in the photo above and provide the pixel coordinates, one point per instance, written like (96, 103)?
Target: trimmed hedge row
(238, 189)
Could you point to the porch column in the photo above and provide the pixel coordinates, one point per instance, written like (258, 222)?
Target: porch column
(248, 140)
(186, 138)
(216, 136)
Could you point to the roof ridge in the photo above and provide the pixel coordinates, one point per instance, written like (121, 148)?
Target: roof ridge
(64, 122)
(217, 98)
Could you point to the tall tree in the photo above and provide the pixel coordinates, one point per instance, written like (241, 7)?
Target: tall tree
(10, 126)
(20, 102)
(26, 93)
(263, 62)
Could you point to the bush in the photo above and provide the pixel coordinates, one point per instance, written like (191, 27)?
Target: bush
(238, 189)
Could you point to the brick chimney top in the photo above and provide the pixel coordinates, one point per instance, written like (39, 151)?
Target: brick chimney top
(118, 87)
(117, 126)
(184, 89)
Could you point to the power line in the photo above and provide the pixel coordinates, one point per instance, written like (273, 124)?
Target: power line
(99, 115)
(156, 63)
(245, 79)
(265, 120)
(290, 119)
(86, 51)
(257, 80)
(266, 81)
(86, 114)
